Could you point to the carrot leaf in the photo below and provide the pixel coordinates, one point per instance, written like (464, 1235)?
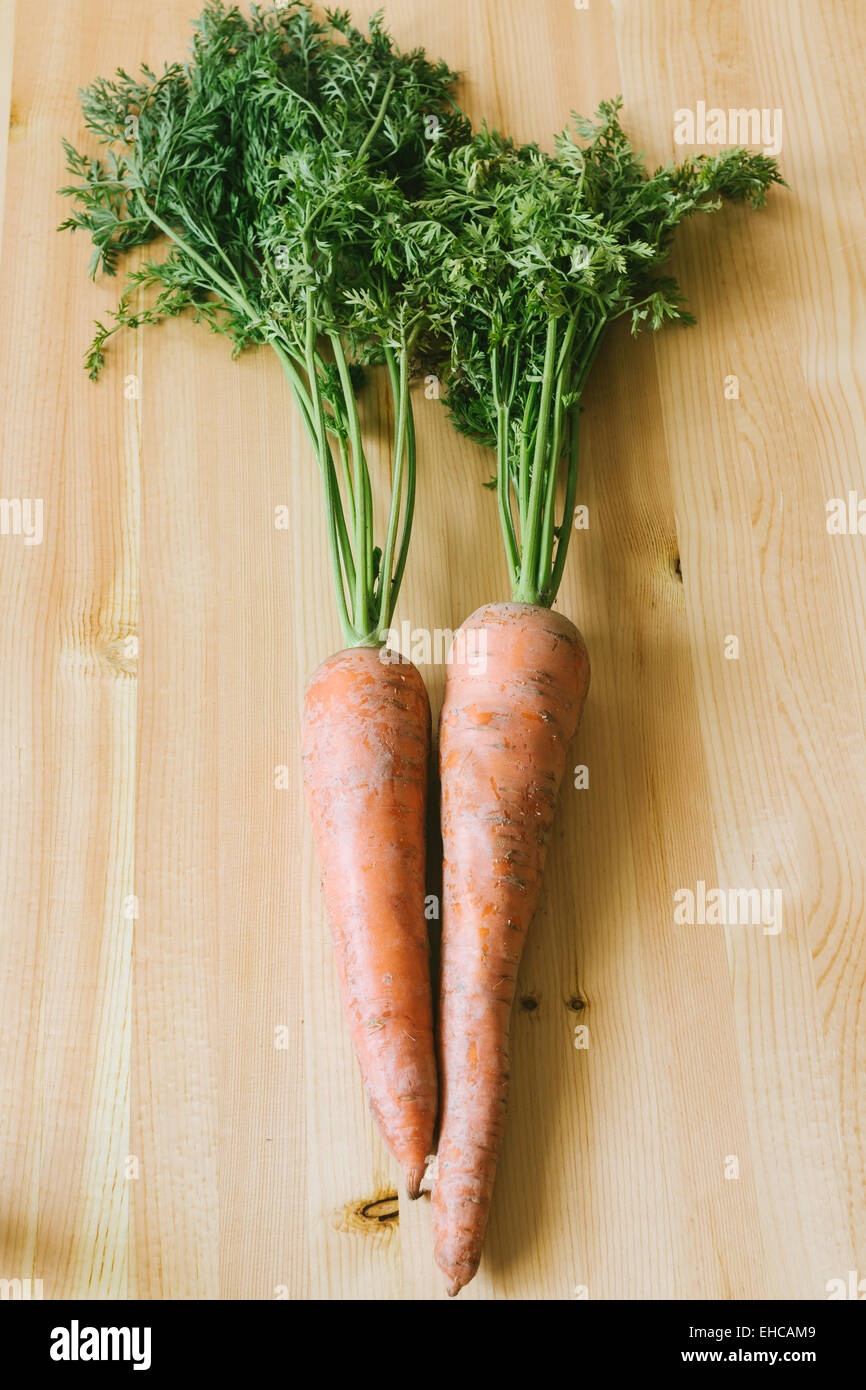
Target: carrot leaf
(533, 256)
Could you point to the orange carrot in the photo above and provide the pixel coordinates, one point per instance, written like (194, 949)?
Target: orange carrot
(366, 744)
(540, 254)
(514, 691)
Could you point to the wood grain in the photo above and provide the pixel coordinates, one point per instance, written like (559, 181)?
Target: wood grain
(180, 1112)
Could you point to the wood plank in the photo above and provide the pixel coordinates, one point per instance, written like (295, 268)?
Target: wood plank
(182, 1115)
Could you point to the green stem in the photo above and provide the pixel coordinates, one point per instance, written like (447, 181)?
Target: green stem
(581, 373)
(525, 441)
(408, 513)
(503, 493)
(347, 478)
(588, 357)
(340, 551)
(503, 477)
(302, 396)
(229, 291)
(545, 546)
(325, 462)
(363, 498)
(565, 528)
(545, 554)
(399, 378)
(526, 589)
(309, 402)
(337, 425)
(374, 128)
(541, 567)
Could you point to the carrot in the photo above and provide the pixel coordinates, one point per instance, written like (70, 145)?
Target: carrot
(312, 250)
(503, 743)
(536, 255)
(366, 737)
(315, 251)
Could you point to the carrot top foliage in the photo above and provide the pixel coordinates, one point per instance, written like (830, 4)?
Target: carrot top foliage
(534, 256)
(315, 189)
(279, 164)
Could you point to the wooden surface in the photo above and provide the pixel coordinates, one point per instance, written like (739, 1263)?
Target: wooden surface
(180, 1113)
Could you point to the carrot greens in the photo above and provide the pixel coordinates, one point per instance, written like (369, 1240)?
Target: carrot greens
(277, 166)
(536, 255)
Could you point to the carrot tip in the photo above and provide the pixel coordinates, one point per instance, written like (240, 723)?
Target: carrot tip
(458, 1274)
(413, 1182)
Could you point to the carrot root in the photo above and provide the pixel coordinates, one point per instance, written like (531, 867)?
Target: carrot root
(413, 1182)
(508, 717)
(366, 747)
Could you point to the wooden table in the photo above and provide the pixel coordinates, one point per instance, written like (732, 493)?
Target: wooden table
(180, 1112)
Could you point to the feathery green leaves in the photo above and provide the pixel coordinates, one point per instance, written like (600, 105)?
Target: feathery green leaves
(535, 254)
(276, 168)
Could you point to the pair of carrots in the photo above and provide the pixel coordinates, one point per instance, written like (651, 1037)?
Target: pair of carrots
(321, 192)
(531, 257)
(505, 729)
